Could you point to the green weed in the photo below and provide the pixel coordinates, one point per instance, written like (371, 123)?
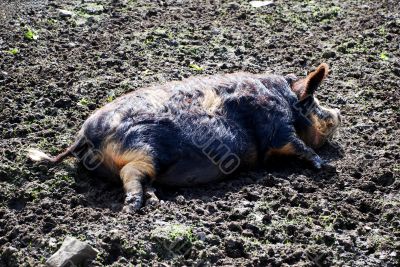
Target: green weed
(110, 96)
(384, 56)
(31, 34)
(196, 67)
(13, 51)
(174, 239)
(382, 31)
(83, 102)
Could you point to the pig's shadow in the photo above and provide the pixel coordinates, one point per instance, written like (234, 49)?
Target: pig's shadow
(100, 193)
(276, 170)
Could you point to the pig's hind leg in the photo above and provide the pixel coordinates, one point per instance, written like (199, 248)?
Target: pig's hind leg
(133, 177)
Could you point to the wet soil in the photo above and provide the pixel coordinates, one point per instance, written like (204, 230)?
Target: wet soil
(60, 60)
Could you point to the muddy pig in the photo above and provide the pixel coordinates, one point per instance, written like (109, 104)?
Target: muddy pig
(202, 129)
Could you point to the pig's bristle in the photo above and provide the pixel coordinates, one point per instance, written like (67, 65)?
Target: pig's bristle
(37, 155)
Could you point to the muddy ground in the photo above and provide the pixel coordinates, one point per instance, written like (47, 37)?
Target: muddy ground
(58, 66)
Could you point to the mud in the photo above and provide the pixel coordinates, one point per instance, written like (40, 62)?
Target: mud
(77, 59)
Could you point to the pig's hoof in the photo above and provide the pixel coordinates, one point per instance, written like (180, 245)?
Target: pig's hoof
(152, 201)
(317, 162)
(133, 202)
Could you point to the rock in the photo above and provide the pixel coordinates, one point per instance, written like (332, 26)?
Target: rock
(201, 236)
(180, 199)
(72, 251)
(65, 13)
(215, 31)
(93, 9)
(260, 3)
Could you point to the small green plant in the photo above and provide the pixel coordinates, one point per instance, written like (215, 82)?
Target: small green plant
(83, 102)
(13, 51)
(149, 40)
(178, 231)
(328, 221)
(382, 31)
(171, 240)
(324, 14)
(110, 96)
(384, 56)
(51, 21)
(31, 34)
(36, 193)
(196, 67)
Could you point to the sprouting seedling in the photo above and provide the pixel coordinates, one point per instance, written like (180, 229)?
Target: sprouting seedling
(196, 67)
(13, 51)
(83, 102)
(31, 34)
(111, 96)
(384, 56)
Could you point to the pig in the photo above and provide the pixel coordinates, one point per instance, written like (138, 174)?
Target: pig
(202, 129)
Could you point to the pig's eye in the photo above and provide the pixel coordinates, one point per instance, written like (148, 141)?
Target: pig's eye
(329, 123)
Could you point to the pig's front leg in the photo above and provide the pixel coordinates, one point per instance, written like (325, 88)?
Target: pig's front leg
(294, 146)
(301, 150)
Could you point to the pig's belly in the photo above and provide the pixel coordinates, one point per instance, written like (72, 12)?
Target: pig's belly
(193, 170)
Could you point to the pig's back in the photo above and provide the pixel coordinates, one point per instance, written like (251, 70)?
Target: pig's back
(179, 107)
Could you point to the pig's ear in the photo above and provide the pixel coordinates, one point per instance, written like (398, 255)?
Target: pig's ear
(315, 78)
(309, 85)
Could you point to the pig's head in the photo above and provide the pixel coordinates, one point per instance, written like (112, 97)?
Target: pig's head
(314, 123)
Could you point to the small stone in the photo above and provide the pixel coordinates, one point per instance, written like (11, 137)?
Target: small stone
(180, 199)
(65, 13)
(72, 251)
(215, 31)
(52, 242)
(260, 3)
(201, 236)
(93, 9)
